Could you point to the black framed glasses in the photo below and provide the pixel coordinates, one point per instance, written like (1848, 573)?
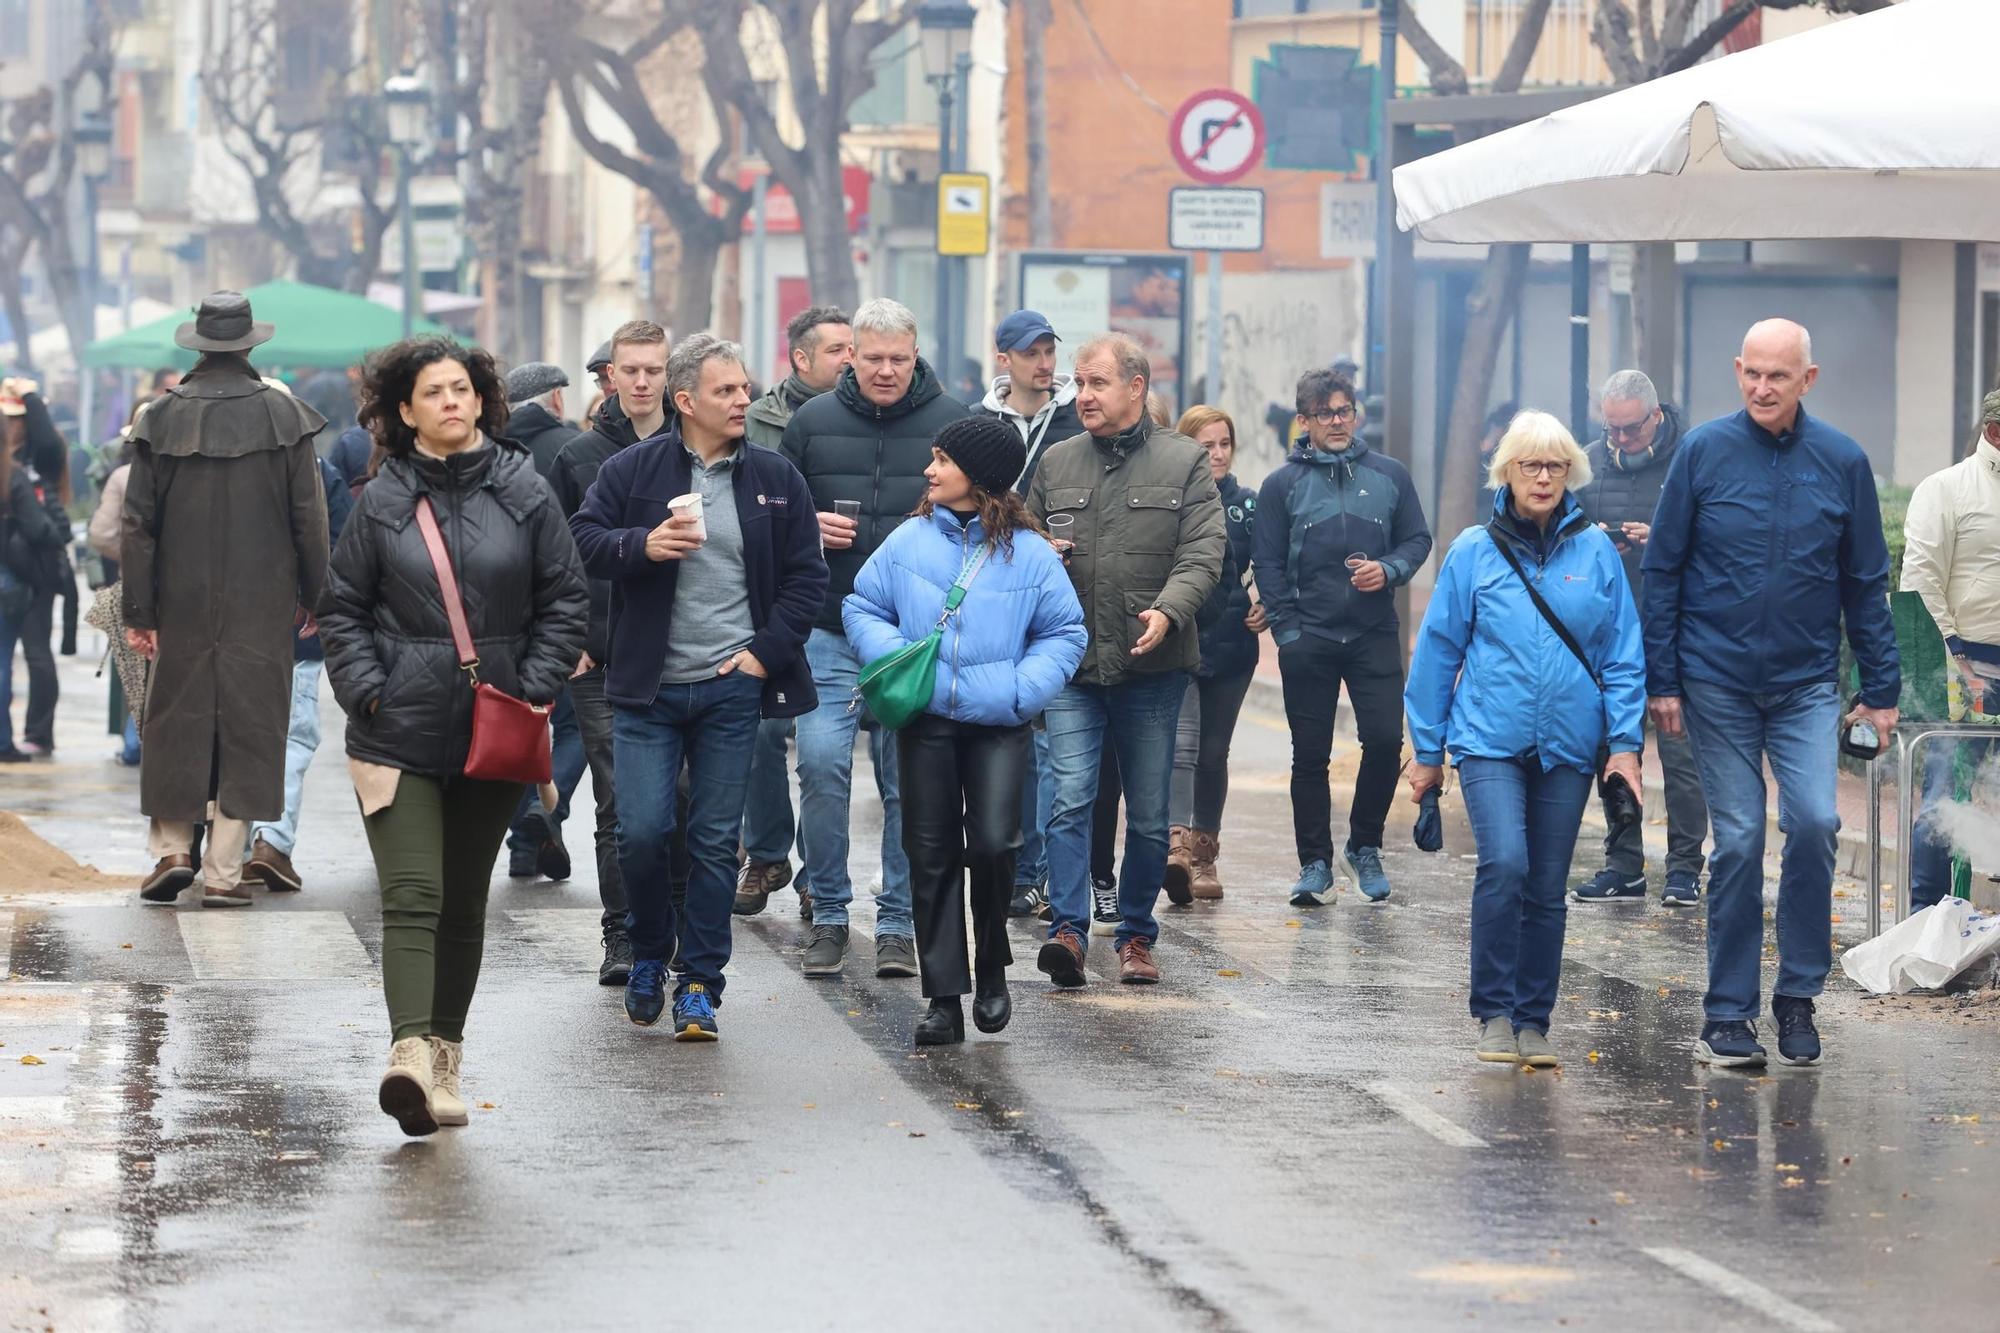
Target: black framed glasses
(1328, 416)
(1543, 467)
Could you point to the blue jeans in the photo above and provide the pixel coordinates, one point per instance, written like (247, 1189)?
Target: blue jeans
(1139, 715)
(709, 726)
(1930, 856)
(301, 743)
(1524, 821)
(826, 786)
(129, 756)
(1038, 791)
(566, 754)
(769, 828)
(1734, 733)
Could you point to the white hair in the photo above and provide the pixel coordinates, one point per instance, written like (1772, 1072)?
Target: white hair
(1533, 434)
(885, 316)
(1631, 386)
(545, 400)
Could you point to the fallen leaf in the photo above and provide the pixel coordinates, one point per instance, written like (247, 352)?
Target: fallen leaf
(917, 1134)
(1664, 992)
(1621, 1198)
(1786, 1166)
(31, 1059)
(854, 1013)
(1228, 972)
(488, 1106)
(1720, 1145)
(812, 1106)
(124, 946)
(1295, 925)
(1593, 1057)
(966, 1106)
(1228, 1073)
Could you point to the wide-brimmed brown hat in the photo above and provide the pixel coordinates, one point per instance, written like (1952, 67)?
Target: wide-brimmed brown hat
(222, 323)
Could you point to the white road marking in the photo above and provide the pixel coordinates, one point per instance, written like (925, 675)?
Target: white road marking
(1740, 1289)
(6, 942)
(1420, 1115)
(245, 944)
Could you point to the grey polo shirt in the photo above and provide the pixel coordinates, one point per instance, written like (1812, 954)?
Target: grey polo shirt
(712, 596)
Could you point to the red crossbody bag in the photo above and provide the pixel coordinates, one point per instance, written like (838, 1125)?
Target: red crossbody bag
(510, 737)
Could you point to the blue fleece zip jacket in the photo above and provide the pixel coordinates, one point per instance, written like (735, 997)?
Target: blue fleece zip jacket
(1018, 636)
(1491, 679)
(1314, 512)
(1761, 543)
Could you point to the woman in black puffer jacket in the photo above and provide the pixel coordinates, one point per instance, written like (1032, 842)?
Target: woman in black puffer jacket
(436, 410)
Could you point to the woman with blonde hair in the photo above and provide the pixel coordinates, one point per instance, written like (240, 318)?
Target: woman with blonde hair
(1528, 661)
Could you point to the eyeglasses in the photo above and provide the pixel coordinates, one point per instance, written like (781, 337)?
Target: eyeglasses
(1631, 432)
(1327, 416)
(1542, 467)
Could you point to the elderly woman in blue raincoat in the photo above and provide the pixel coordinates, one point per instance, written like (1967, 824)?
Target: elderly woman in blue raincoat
(1522, 697)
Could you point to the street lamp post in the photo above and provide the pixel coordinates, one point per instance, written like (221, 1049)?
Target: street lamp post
(409, 112)
(946, 27)
(93, 162)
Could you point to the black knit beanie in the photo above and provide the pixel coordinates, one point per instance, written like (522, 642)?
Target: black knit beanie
(987, 450)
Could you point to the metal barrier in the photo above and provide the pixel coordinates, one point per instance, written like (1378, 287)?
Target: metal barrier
(1906, 744)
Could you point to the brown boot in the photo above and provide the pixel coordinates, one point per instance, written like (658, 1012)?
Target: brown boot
(757, 882)
(1180, 868)
(169, 877)
(1136, 965)
(1204, 848)
(272, 868)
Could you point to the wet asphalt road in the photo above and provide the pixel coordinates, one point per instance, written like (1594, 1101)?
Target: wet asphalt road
(1289, 1133)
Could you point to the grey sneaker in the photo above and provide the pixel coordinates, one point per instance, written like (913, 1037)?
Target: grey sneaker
(827, 954)
(1535, 1050)
(1496, 1042)
(895, 956)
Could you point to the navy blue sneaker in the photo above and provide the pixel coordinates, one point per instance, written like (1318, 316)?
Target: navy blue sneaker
(1683, 889)
(1730, 1046)
(694, 1014)
(1798, 1039)
(1365, 864)
(1314, 887)
(646, 992)
(1612, 885)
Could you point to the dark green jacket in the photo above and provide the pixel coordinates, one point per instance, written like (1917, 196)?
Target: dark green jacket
(1149, 535)
(764, 424)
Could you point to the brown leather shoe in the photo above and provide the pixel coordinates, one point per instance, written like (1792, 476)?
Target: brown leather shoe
(1203, 848)
(755, 885)
(236, 895)
(1062, 959)
(1136, 967)
(272, 868)
(1179, 879)
(169, 877)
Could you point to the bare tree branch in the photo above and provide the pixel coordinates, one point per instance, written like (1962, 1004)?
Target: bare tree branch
(1447, 74)
(1611, 30)
(1521, 50)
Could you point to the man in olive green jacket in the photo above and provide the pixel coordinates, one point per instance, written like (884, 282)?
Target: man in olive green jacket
(1146, 535)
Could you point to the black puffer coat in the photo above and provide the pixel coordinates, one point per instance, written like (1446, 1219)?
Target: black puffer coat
(847, 448)
(388, 640)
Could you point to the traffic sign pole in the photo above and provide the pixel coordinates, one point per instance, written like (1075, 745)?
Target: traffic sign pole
(1212, 390)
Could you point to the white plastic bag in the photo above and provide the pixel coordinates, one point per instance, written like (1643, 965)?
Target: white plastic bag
(1925, 951)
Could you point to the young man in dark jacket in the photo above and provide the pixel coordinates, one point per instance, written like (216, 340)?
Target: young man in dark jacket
(820, 342)
(710, 612)
(1339, 529)
(638, 370)
(1030, 394)
(866, 443)
(1628, 467)
(1767, 538)
(1147, 550)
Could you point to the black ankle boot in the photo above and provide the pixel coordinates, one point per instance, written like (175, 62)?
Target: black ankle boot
(991, 1007)
(943, 1024)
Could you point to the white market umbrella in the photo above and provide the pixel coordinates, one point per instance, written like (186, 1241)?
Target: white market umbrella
(1883, 125)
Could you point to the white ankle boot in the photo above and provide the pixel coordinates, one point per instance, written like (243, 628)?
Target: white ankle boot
(445, 1103)
(405, 1092)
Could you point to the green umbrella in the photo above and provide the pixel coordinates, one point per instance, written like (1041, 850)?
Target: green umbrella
(316, 327)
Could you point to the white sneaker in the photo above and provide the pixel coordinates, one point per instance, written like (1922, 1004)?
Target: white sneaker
(446, 1106)
(405, 1092)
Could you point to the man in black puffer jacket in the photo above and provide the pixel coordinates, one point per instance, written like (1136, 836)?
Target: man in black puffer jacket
(535, 412)
(867, 443)
(1627, 468)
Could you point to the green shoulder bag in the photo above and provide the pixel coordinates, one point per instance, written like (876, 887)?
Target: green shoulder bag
(897, 686)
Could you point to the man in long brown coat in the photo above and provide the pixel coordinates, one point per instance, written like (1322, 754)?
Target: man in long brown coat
(224, 538)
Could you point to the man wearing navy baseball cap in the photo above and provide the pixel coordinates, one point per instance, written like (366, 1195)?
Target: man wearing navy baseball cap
(1030, 394)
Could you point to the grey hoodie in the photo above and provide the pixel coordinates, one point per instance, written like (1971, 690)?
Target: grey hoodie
(1056, 422)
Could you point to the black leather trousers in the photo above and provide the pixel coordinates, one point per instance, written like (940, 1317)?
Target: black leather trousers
(961, 813)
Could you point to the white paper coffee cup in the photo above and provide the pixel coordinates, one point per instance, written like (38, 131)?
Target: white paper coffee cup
(689, 506)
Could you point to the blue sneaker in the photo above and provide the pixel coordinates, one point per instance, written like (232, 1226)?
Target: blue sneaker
(694, 1014)
(1798, 1038)
(1612, 885)
(1683, 889)
(646, 992)
(1365, 864)
(1315, 885)
(1730, 1046)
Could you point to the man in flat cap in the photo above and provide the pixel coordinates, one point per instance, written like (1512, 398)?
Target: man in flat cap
(535, 411)
(224, 538)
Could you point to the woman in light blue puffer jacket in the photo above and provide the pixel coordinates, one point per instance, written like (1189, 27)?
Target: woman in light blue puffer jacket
(1014, 642)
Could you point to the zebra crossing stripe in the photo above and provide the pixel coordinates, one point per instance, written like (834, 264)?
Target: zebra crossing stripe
(272, 946)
